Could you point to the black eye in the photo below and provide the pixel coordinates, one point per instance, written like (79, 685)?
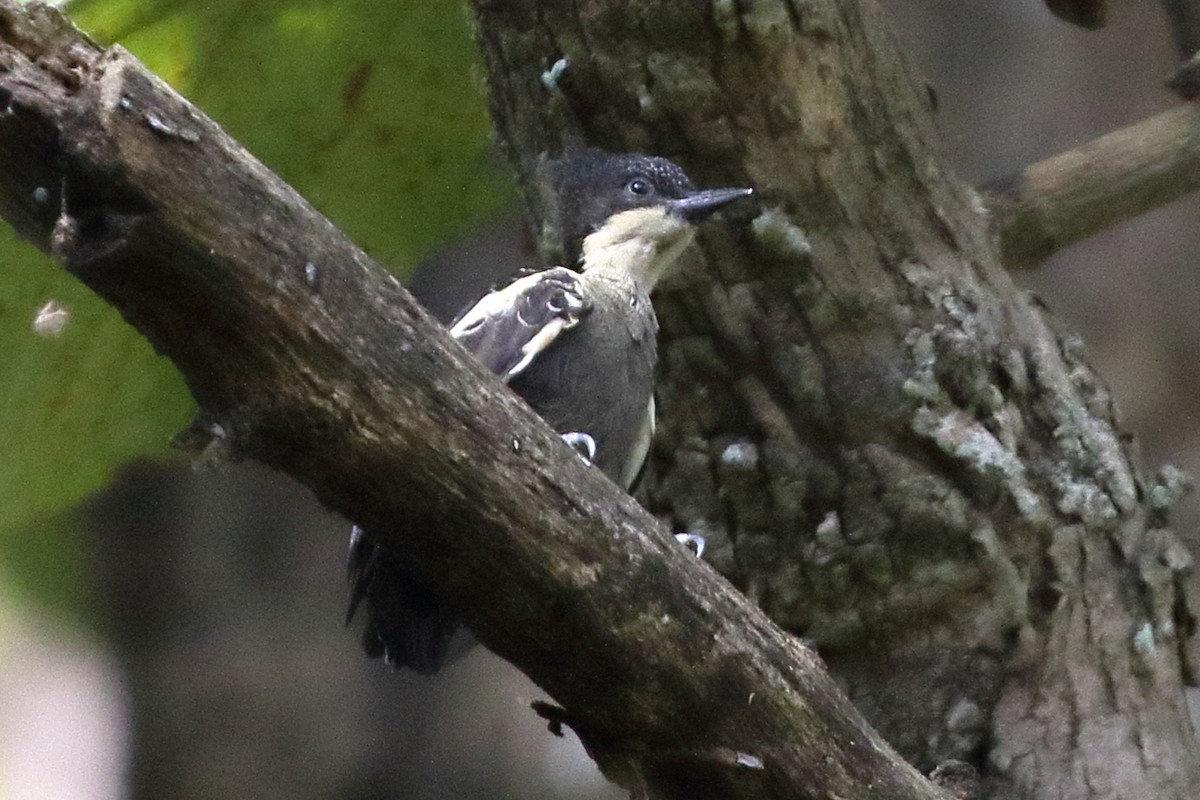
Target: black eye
(639, 186)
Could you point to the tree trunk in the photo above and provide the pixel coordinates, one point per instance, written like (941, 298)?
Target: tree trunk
(888, 445)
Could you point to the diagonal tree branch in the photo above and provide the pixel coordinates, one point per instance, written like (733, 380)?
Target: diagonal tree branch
(304, 354)
(1076, 194)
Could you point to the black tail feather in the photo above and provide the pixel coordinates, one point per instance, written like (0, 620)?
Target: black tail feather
(406, 625)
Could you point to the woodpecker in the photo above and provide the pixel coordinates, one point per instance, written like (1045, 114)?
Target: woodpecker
(578, 345)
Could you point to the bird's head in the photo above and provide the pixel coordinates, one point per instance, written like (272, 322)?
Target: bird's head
(631, 210)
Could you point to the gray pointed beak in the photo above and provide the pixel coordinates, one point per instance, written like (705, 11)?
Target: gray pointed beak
(698, 205)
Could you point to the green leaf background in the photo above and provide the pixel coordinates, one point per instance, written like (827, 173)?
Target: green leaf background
(374, 111)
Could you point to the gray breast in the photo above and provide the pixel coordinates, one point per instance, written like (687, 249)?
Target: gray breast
(598, 378)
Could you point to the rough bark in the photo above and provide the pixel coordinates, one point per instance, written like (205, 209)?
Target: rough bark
(890, 447)
(305, 355)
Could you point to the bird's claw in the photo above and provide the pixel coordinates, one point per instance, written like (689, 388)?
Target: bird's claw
(691, 541)
(581, 443)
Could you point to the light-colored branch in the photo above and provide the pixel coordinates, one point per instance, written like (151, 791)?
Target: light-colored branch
(307, 356)
(1076, 194)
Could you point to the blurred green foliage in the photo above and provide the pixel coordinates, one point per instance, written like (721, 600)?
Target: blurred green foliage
(374, 111)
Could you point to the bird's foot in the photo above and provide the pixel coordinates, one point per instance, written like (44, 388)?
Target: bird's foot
(692, 542)
(581, 443)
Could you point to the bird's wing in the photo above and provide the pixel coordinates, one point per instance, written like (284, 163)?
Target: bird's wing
(508, 327)
(406, 626)
(506, 330)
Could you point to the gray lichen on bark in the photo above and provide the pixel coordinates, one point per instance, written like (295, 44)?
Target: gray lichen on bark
(888, 445)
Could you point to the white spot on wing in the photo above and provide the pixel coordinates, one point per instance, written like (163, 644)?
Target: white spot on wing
(540, 341)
